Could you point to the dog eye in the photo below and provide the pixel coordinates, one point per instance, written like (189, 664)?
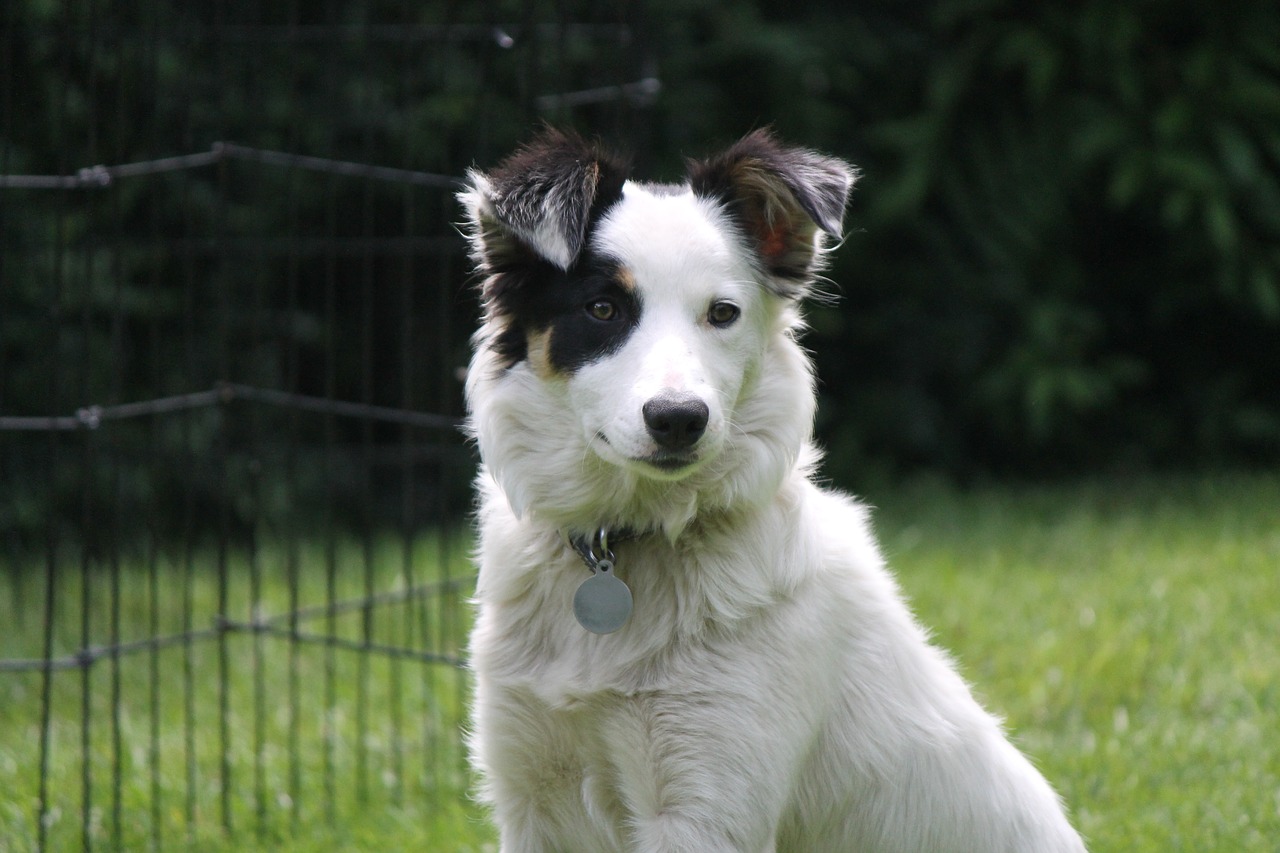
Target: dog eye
(723, 314)
(602, 309)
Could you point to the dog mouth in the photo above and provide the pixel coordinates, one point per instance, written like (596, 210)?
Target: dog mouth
(665, 461)
(670, 463)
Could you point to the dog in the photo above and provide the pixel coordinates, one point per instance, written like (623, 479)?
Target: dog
(682, 641)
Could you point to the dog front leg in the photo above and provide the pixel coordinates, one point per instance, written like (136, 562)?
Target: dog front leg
(704, 774)
(679, 834)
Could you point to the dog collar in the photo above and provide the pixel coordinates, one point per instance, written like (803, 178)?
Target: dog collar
(602, 603)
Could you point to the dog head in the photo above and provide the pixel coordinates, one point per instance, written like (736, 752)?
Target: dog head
(636, 360)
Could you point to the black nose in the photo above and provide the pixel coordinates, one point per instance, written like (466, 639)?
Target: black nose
(676, 421)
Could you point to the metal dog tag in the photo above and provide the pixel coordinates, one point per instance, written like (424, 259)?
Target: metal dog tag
(602, 603)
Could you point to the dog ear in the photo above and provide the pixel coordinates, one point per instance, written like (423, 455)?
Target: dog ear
(782, 198)
(540, 200)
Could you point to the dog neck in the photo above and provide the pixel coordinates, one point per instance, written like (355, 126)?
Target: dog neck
(603, 602)
(601, 537)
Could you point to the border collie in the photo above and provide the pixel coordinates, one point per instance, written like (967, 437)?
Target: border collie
(683, 643)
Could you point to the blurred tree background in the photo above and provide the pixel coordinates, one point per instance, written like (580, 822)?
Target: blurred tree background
(1064, 254)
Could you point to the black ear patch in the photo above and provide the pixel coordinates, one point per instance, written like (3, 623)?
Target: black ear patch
(781, 197)
(541, 200)
(529, 221)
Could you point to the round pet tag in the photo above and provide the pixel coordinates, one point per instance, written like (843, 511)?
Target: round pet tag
(602, 603)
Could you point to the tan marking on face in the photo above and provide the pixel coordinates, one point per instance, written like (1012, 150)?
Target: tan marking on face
(539, 344)
(626, 279)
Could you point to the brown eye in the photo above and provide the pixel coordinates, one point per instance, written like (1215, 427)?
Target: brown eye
(602, 309)
(723, 314)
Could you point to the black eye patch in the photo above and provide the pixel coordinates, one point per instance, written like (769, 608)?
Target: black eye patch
(566, 319)
(592, 315)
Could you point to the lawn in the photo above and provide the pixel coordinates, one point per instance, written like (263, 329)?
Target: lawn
(245, 739)
(1128, 631)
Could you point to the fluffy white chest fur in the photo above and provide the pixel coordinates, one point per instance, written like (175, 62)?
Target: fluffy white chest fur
(637, 372)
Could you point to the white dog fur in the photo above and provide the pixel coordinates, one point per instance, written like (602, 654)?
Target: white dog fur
(770, 691)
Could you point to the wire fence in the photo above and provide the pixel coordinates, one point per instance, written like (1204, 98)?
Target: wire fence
(121, 621)
(150, 641)
(246, 622)
(93, 416)
(99, 176)
(233, 488)
(297, 639)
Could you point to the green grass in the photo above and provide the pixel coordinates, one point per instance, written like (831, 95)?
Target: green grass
(326, 748)
(1129, 632)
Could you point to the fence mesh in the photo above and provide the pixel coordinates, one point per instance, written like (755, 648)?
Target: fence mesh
(225, 596)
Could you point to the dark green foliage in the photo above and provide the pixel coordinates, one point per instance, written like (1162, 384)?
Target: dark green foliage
(1070, 224)
(1064, 252)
